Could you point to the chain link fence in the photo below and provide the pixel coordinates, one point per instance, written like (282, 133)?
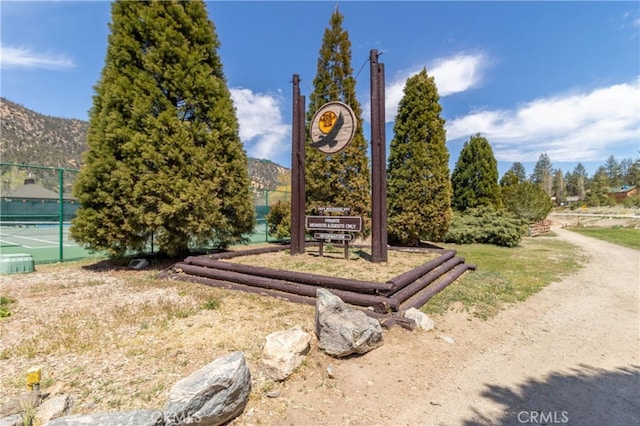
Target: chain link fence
(263, 200)
(37, 206)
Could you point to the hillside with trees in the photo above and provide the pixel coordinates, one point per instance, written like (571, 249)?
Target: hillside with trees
(28, 137)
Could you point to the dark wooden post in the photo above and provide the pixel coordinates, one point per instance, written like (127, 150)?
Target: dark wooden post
(297, 170)
(379, 238)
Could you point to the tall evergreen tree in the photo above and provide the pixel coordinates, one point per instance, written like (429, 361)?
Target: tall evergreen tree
(164, 157)
(577, 182)
(419, 189)
(543, 174)
(599, 189)
(633, 173)
(559, 187)
(342, 179)
(475, 176)
(614, 171)
(515, 175)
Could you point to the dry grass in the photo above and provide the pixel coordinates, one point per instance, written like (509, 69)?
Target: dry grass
(117, 339)
(333, 263)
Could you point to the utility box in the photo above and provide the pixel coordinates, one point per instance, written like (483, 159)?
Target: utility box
(16, 263)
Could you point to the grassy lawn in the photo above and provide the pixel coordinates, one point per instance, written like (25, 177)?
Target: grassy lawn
(505, 275)
(627, 237)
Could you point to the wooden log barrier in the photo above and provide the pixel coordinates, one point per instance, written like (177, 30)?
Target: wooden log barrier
(298, 277)
(296, 298)
(422, 282)
(408, 277)
(422, 297)
(248, 252)
(378, 302)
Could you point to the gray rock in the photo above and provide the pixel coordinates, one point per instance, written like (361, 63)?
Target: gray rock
(213, 395)
(422, 320)
(19, 403)
(343, 330)
(284, 351)
(14, 420)
(54, 407)
(126, 418)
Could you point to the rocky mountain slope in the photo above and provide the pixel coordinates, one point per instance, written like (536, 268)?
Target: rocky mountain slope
(27, 137)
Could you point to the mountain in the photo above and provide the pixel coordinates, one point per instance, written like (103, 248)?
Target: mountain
(31, 138)
(27, 137)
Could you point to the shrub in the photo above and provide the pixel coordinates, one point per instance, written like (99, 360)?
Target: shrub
(487, 226)
(279, 220)
(4, 306)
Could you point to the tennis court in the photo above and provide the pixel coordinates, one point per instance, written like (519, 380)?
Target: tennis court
(41, 240)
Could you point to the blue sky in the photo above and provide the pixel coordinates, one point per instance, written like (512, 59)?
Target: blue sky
(561, 78)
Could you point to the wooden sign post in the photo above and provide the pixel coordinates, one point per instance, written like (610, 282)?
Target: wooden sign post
(379, 237)
(297, 171)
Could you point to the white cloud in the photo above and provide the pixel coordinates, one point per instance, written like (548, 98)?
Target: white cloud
(452, 74)
(262, 129)
(18, 57)
(570, 127)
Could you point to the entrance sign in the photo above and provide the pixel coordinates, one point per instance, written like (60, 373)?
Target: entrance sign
(333, 127)
(334, 223)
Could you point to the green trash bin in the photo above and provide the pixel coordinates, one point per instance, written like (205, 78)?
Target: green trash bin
(16, 263)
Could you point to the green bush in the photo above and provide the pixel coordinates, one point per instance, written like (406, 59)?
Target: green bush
(486, 225)
(279, 220)
(4, 306)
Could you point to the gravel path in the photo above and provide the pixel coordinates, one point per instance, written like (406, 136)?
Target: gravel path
(571, 355)
(568, 355)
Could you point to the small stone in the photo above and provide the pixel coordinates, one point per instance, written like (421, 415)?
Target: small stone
(331, 373)
(273, 394)
(447, 339)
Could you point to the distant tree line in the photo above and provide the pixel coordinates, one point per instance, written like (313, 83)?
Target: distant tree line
(577, 187)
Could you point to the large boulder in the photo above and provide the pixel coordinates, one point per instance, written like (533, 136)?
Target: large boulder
(284, 351)
(343, 330)
(53, 408)
(125, 418)
(213, 395)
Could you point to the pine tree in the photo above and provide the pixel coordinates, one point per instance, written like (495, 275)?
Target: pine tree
(614, 172)
(527, 201)
(543, 173)
(342, 179)
(633, 173)
(599, 189)
(515, 175)
(559, 187)
(419, 189)
(164, 158)
(475, 176)
(577, 181)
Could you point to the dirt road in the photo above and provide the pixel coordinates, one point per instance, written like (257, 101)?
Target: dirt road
(568, 355)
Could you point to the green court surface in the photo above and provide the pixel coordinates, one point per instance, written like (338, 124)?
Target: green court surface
(42, 241)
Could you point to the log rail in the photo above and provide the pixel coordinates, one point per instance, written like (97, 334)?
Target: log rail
(384, 301)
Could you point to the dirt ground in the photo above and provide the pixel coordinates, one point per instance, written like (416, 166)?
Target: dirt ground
(569, 354)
